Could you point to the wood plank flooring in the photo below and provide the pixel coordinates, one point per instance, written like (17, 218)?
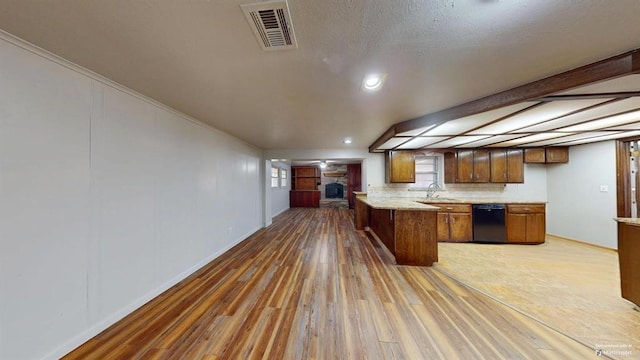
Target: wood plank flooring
(312, 287)
(572, 287)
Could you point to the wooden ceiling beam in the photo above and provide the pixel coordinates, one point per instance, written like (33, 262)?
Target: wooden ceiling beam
(613, 67)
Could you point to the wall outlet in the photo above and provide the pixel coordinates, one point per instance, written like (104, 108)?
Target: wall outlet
(604, 188)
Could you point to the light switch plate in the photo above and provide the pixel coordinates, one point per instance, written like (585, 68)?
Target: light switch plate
(604, 188)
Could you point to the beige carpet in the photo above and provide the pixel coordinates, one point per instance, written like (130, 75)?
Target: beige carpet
(571, 287)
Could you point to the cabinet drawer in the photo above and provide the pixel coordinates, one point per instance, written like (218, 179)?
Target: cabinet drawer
(453, 208)
(525, 209)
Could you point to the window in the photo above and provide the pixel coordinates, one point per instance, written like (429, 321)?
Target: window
(283, 177)
(275, 177)
(426, 170)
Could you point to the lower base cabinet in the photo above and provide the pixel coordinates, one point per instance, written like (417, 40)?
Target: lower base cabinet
(304, 198)
(629, 261)
(454, 223)
(526, 223)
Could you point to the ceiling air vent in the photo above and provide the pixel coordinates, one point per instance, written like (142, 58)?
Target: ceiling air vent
(271, 23)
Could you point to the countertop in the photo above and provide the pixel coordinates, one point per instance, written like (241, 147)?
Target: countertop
(630, 221)
(396, 204)
(446, 200)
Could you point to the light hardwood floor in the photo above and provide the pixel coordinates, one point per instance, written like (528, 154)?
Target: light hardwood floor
(312, 287)
(571, 287)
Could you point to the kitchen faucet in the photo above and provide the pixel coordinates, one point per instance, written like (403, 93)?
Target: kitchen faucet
(431, 189)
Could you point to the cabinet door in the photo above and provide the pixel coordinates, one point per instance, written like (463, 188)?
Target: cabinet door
(517, 228)
(460, 228)
(443, 227)
(450, 168)
(401, 167)
(498, 166)
(536, 229)
(515, 166)
(465, 166)
(534, 155)
(555, 155)
(481, 167)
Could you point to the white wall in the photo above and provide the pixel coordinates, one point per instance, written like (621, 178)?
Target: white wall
(280, 195)
(107, 200)
(577, 209)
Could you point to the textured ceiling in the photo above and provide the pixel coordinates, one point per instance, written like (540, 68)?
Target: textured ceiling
(200, 57)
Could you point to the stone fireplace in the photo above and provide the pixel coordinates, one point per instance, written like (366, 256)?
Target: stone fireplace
(334, 186)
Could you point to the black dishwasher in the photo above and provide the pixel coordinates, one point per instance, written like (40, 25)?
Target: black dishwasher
(488, 223)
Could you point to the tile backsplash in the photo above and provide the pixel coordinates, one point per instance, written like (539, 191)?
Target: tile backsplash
(449, 190)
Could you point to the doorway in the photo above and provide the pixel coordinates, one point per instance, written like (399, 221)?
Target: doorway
(628, 177)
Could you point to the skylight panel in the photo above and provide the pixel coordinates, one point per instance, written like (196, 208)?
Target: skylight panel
(602, 138)
(421, 142)
(491, 140)
(461, 125)
(458, 140)
(393, 142)
(621, 119)
(581, 136)
(528, 139)
(536, 115)
(595, 113)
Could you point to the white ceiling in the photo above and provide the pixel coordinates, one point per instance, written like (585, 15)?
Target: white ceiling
(200, 56)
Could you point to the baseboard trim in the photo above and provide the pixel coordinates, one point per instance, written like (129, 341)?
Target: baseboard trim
(582, 242)
(102, 325)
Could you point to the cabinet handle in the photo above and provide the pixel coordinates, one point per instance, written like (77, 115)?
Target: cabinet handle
(453, 220)
(446, 220)
(526, 209)
(449, 208)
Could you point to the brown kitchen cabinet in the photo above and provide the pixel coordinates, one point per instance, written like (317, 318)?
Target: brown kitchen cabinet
(549, 155)
(409, 235)
(557, 155)
(482, 166)
(454, 222)
(450, 167)
(629, 260)
(507, 166)
(304, 198)
(526, 223)
(472, 166)
(400, 166)
(304, 186)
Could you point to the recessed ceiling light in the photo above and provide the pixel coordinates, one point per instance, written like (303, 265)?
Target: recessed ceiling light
(347, 141)
(373, 82)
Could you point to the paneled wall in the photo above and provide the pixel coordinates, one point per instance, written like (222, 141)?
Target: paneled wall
(107, 199)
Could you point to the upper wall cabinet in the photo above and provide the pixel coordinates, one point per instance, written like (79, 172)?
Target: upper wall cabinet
(472, 166)
(507, 166)
(549, 155)
(484, 166)
(400, 166)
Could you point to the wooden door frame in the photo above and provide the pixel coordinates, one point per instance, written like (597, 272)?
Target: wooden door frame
(623, 175)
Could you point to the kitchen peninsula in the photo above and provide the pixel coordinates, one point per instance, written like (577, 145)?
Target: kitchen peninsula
(410, 228)
(407, 228)
(629, 258)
